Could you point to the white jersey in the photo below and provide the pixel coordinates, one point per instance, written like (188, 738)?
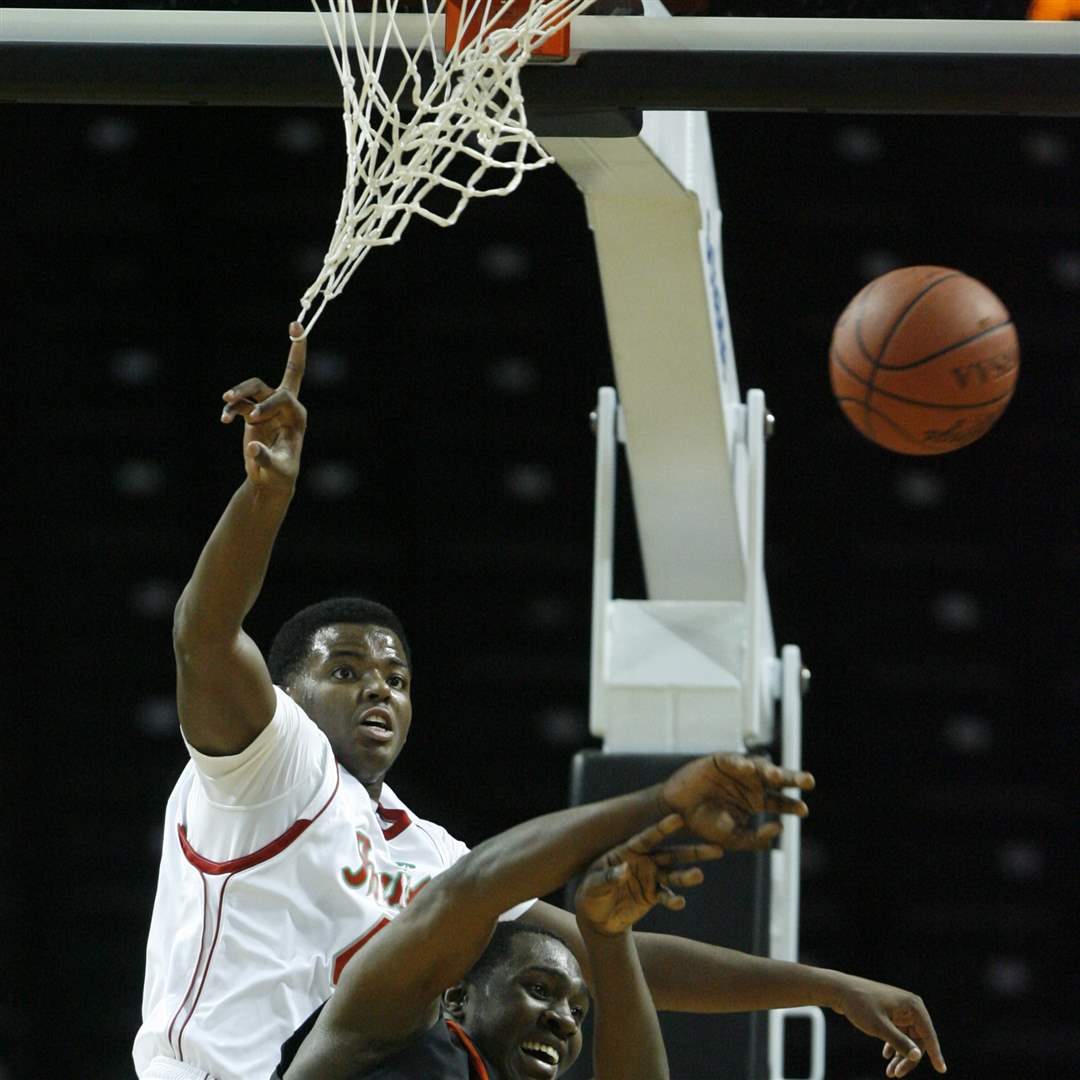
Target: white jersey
(276, 866)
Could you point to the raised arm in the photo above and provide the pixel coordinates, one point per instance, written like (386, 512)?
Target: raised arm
(616, 891)
(691, 976)
(224, 693)
(382, 1001)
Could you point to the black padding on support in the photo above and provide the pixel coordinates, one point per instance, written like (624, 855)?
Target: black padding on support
(731, 909)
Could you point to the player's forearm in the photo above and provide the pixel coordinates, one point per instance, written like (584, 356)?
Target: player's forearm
(230, 571)
(627, 1042)
(539, 856)
(689, 976)
(454, 915)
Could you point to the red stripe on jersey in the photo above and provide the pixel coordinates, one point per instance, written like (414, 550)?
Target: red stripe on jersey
(267, 851)
(399, 821)
(350, 951)
(478, 1067)
(195, 972)
(206, 970)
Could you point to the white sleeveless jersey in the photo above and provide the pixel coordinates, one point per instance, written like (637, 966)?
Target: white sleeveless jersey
(274, 871)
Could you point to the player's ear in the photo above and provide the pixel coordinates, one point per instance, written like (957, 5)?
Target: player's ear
(454, 1001)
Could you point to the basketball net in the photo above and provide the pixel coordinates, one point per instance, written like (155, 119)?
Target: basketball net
(460, 101)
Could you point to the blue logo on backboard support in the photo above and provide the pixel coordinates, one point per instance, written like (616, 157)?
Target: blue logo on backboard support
(716, 291)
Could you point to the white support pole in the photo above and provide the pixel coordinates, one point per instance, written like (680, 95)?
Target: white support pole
(784, 928)
(604, 421)
(754, 688)
(816, 1017)
(693, 667)
(789, 683)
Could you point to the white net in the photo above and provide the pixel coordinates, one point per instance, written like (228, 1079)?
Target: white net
(465, 104)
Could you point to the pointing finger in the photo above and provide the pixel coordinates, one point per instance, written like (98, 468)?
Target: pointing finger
(925, 1033)
(297, 362)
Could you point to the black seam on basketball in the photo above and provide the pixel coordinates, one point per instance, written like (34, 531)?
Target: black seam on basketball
(976, 434)
(907, 311)
(875, 365)
(858, 324)
(923, 404)
(887, 419)
(941, 352)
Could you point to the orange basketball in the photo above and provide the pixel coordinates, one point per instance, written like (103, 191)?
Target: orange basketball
(924, 360)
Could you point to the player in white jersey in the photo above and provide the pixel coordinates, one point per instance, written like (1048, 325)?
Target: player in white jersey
(266, 890)
(269, 842)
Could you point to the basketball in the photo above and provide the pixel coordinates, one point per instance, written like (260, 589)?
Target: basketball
(924, 360)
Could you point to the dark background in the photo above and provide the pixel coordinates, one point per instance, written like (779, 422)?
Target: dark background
(154, 257)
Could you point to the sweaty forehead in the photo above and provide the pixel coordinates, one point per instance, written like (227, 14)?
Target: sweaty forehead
(368, 640)
(541, 951)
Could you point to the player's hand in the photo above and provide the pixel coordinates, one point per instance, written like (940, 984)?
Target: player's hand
(633, 878)
(274, 421)
(718, 795)
(897, 1017)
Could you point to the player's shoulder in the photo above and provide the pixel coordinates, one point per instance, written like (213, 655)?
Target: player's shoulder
(289, 711)
(291, 723)
(288, 760)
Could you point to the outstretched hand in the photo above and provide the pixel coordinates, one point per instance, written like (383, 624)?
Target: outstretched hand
(897, 1017)
(274, 420)
(718, 795)
(630, 880)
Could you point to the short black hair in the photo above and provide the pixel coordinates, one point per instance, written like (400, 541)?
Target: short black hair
(292, 643)
(500, 946)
